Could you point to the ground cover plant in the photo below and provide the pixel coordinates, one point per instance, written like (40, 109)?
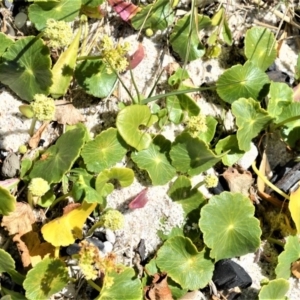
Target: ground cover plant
(54, 203)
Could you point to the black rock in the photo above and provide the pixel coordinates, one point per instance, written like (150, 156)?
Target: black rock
(100, 235)
(95, 242)
(73, 249)
(228, 274)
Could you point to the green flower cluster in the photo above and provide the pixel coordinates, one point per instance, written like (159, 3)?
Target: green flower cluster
(114, 56)
(58, 33)
(112, 219)
(38, 187)
(197, 124)
(43, 107)
(211, 181)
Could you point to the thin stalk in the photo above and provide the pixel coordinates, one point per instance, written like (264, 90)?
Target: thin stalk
(274, 241)
(30, 199)
(268, 183)
(32, 126)
(94, 285)
(135, 86)
(125, 88)
(173, 93)
(63, 197)
(295, 118)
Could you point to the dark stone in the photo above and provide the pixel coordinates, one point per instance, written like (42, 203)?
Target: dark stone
(228, 274)
(95, 242)
(100, 235)
(73, 249)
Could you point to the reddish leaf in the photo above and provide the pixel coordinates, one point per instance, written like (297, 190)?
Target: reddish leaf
(140, 200)
(136, 57)
(126, 10)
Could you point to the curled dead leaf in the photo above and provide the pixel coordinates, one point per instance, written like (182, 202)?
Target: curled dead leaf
(20, 220)
(296, 269)
(159, 289)
(35, 139)
(66, 113)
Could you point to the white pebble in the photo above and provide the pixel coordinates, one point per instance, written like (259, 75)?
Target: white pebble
(248, 158)
(108, 247)
(110, 236)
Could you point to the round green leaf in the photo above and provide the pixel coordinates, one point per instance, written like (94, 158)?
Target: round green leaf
(26, 68)
(191, 155)
(7, 203)
(63, 10)
(5, 42)
(241, 81)
(92, 3)
(92, 76)
(275, 290)
(59, 158)
(185, 39)
(290, 254)
(129, 121)
(180, 258)
(229, 226)
(123, 283)
(104, 151)
(155, 160)
(231, 147)
(47, 278)
(251, 119)
(260, 47)
(157, 16)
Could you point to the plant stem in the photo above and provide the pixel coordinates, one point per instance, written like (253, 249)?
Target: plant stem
(135, 86)
(274, 241)
(96, 225)
(94, 285)
(32, 126)
(30, 199)
(268, 183)
(198, 184)
(60, 198)
(295, 118)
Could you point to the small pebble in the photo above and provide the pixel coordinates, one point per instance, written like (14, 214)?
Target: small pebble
(110, 236)
(108, 247)
(96, 242)
(11, 165)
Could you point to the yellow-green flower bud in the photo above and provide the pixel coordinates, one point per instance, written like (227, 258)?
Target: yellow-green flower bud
(22, 149)
(211, 181)
(59, 33)
(38, 187)
(113, 219)
(43, 107)
(197, 124)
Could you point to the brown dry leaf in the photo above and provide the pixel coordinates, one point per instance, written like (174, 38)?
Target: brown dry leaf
(35, 139)
(20, 220)
(70, 207)
(66, 113)
(159, 289)
(265, 169)
(296, 269)
(239, 181)
(31, 249)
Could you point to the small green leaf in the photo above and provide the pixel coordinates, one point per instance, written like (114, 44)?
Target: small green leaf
(26, 165)
(47, 278)
(251, 119)
(92, 3)
(92, 76)
(226, 33)
(5, 42)
(290, 254)
(177, 78)
(155, 160)
(180, 258)
(157, 16)
(231, 147)
(228, 220)
(12, 295)
(59, 158)
(186, 40)
(125, 177)
(83, 186)
(191, 155)
(182, 192)
(63, 10)
(25, 68)
(129, 121)
(8, 201)
(62, 71)
(209, 134)
(174, 108)
(104, 151)
(7, 264)
(123, 282)
(260, 47)
(275, 290)
(280, 96)
(241, 82)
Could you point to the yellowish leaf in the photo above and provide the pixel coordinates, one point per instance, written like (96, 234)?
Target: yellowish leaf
(294, 207)
(64, 230)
